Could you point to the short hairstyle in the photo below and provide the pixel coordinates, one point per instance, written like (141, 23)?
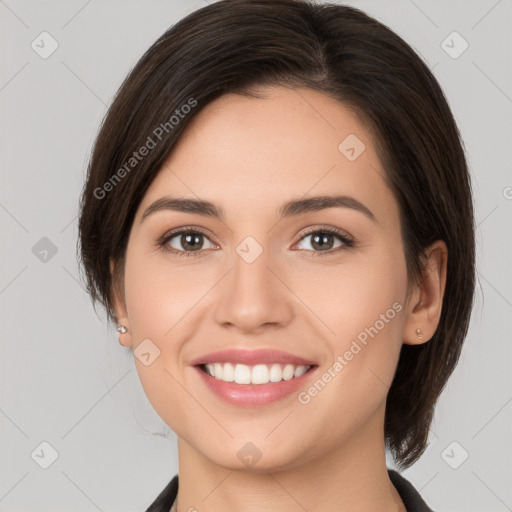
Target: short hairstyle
(234, 46)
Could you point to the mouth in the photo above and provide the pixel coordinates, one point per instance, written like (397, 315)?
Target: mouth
(250, 378)
(258, 374)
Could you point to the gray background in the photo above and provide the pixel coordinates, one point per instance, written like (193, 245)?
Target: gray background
(64, 378)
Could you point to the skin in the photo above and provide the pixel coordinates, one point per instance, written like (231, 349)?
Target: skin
(249, 156)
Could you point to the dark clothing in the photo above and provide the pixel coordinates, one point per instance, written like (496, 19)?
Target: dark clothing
(410, 496)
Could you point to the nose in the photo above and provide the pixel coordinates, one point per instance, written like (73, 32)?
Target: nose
(253, 297)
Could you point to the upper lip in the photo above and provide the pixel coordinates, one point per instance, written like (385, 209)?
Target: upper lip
(251, 357)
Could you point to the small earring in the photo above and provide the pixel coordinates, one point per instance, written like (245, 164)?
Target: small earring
(121, 329)
(420, 335)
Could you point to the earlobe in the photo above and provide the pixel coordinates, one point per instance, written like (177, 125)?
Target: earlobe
(119, 306)
(124, 334)
(426, 302)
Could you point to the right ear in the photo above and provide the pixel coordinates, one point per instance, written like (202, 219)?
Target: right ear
(119, 306)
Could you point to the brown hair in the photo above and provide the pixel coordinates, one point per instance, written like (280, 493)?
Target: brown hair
(235, 45)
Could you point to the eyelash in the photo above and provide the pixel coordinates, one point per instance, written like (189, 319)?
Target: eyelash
(348, 241)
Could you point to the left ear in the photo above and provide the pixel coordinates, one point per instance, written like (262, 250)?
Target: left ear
(426, 300)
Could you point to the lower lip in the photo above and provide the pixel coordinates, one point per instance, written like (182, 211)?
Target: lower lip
(251, 395)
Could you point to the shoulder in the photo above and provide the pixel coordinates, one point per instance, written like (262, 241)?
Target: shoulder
(410, 496)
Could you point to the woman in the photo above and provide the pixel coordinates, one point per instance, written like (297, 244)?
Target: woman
(278, 217)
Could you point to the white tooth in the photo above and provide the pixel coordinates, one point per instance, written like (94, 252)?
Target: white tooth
(211, 369)
(218, 371)
(276, 373)
(242, 374)
(228, 373)
(300, 370)
(260, 374)
(288, 372)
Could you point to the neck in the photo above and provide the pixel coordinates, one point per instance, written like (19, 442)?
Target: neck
(352, 476)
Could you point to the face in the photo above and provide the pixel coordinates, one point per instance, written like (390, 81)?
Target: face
(280, 282)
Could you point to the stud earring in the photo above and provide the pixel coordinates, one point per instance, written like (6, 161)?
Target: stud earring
(121, 329)
(419, 333)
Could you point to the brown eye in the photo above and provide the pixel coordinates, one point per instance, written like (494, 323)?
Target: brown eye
(325, 240)
(188, 241)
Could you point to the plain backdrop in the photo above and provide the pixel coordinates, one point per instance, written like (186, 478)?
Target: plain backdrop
(67, 383)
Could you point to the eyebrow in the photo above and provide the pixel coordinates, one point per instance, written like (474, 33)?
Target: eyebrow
(289, 209)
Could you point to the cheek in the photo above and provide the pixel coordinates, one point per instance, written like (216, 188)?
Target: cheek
(163, 302)
(362, 303)
(355, 294)
(352, 385)
(151, 298)
(358, 308)
(160, 293)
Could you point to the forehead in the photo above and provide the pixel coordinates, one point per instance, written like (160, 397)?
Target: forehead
(286, 144)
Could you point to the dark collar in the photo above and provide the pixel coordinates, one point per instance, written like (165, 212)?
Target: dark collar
(410, 496)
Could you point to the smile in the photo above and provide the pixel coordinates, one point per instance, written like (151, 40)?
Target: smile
(251, 378)
(257, 374)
